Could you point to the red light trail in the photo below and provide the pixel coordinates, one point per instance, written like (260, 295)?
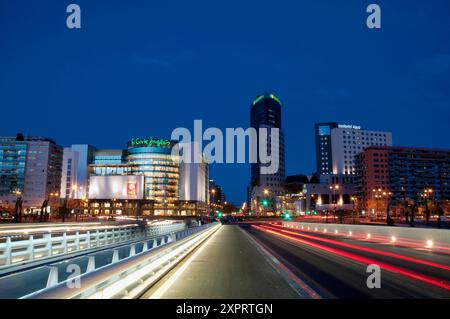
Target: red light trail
(399, 270)
(367, 249)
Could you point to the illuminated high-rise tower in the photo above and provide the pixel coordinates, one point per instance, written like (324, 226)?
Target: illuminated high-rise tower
(266, 113)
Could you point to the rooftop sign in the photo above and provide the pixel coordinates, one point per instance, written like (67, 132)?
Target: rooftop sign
(150, 142)
(354, 127)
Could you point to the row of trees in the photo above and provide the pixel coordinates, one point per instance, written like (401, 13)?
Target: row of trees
(62, 211)
(409, 209)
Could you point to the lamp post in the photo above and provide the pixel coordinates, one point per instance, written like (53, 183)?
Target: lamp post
(381, 195)
(18, 208)
(51, 197)
(427, 193)
(266, 201)
(333, 188)
(212, 199)
(377, 195)
(354, 200)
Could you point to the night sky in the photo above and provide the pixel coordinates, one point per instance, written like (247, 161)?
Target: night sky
(143, 68)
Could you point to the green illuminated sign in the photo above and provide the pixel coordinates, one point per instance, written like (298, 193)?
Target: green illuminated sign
(151, 142)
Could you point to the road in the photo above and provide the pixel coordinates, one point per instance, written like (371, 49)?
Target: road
(337, 267)
(267, 261)
(227, 265)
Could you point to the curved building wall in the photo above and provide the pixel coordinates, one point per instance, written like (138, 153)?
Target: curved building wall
(159, 168)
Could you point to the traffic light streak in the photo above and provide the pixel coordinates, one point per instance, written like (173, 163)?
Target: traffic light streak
(368, 261)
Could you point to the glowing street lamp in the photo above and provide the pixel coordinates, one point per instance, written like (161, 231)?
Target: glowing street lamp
(333, 188)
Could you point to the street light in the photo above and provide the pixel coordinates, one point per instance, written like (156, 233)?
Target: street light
(379, 195)
(334, 188)
(427, 193)
(265, 202)
(354, 200)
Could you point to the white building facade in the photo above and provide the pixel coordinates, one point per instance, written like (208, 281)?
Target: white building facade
(194, 180)
(75, 171)
(350, 140)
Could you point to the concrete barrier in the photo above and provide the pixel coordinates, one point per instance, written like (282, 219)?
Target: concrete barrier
(420, 237)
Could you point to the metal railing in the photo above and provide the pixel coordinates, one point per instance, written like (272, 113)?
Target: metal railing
(16, 250)
(128, 276)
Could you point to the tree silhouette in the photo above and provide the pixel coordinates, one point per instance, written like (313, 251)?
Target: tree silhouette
(43, 210)
(18, 210)
(63, 210)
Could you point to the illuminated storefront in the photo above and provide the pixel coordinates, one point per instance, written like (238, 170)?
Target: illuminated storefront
(153, 159)
(147, 157)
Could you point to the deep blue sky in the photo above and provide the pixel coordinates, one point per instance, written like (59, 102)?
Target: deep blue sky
(142, 68)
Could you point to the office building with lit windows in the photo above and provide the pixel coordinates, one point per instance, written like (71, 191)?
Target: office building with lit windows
(146, 179)
(161, 170)
(266, 113)
(398, 174)
(194, 181)
(30, 167)
(13, 158)
(217, 195)
(337, 145)
(75, 171)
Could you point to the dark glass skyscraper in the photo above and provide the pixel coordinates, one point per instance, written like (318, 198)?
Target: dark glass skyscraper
(266, 113)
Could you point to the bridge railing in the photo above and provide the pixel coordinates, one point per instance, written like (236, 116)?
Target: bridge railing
(15, 250)
(129, 276)
(414, 237)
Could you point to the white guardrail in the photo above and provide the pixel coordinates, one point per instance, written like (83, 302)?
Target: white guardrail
(21, 247)
(131, 276)
(408, 236)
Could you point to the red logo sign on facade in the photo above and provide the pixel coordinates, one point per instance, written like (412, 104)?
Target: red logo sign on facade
(131, 188)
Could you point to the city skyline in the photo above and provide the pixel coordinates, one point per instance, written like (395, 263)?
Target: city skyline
(75, 97)
(222, 157)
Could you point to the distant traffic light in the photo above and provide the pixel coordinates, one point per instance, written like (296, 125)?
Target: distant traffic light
(286, 215)
(265, 203)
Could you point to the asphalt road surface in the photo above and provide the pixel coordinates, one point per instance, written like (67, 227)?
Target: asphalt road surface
(227, 266)
(337, 268)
